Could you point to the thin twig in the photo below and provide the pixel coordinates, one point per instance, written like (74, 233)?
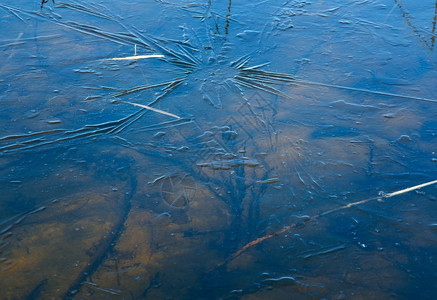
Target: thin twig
(286, 228)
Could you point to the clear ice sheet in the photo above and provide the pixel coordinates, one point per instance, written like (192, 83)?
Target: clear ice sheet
(220, 163)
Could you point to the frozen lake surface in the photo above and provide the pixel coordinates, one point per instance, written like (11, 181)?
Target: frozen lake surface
(218, 149)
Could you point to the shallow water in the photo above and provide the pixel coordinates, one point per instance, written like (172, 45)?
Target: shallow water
(230, 164)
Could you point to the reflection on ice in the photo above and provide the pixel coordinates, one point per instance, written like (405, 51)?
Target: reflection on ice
(172, 149)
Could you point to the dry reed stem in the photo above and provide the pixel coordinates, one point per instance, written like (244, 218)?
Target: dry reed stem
(416, 187)
(153, 109)
(286, 228)
(135, 57)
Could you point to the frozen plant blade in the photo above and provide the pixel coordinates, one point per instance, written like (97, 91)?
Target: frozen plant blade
(301, 81)
(153, 109)
(258, 85)
(84, 9)
(140, 88)
(135, 57)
